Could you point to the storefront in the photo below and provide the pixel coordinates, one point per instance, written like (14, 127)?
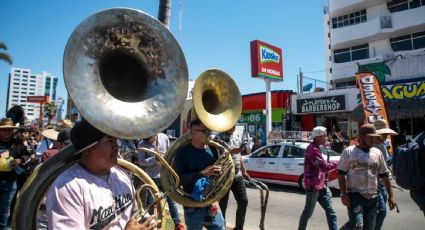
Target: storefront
(331, 109)
(405, 103)
(253, 113)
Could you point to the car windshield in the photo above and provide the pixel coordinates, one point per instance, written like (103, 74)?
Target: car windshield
(331, 152)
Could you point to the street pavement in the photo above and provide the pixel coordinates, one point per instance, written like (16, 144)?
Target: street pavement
(286, 204)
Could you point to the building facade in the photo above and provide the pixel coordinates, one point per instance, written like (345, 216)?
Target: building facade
(23, 83)
(386, 38)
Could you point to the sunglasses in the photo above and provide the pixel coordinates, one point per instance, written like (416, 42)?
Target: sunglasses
(206, 131)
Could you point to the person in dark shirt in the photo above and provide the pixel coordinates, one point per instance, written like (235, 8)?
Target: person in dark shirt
(13, 154)
(193, 162)
(238, 186)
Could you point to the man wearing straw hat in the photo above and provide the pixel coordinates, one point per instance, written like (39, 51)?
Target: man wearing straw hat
(13, 153)
(360, 167)
(382, 143)
(93, 193)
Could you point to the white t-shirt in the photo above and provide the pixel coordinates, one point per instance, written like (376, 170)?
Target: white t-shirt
(78, 199)
(363, 169)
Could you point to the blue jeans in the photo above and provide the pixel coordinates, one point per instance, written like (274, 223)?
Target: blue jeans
(361, 213)
(7, 191)
(382, 207)
(196, 218)
(324, 197)
(172, 206)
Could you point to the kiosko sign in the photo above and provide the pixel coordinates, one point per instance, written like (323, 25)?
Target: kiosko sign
(266, 61)
(321, 104)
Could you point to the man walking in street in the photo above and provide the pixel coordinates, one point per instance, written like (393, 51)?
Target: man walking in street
(382, 143)
(360, 167)
(315, 169)
(238, 186)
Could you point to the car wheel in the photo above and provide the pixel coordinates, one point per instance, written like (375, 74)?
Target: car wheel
(301, 182)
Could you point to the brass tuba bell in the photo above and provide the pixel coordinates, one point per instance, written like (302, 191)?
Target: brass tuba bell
(217, 101)
(128, 77)
(126, 73)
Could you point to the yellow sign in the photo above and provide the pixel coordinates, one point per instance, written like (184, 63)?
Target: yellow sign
(401, 91)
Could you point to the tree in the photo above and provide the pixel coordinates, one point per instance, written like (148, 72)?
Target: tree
(3, 55)
(50, 111)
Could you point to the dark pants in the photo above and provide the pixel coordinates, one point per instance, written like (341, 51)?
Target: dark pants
(419, 198)
(361, 213)
(239, 192)
(7, 192)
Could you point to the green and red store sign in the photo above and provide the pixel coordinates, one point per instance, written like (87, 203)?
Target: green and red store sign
(253, 106)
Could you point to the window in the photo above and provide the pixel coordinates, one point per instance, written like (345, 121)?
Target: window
(408, 42)
(293, 152)
(401, 5)
(268, 152)
(351, 54)
(349, 19)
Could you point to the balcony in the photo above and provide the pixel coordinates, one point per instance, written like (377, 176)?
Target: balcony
(339, 7)
(355, 34)
(408, 19)
(346, 70)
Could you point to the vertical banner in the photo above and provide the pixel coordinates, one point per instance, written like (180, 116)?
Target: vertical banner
(373, 102)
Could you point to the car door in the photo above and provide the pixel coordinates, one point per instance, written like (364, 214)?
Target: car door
(291, 166)
(262, 163)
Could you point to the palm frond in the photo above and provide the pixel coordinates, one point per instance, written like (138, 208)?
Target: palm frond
(6, 57)
(3, 46)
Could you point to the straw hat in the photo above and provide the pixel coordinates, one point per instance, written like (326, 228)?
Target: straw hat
(62, 124)
(50, 134)
(382, 127)
(7, 123)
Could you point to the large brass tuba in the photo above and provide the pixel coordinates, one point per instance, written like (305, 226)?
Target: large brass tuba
(218, 104)
(128, 77)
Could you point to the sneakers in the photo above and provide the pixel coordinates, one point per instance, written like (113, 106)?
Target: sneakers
(179, 226)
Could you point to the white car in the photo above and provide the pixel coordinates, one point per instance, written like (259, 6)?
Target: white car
(283, 163)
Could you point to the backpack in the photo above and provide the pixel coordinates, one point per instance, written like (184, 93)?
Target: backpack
(406, 164)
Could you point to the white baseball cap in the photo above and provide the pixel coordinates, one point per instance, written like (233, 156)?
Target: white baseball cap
(318, 131)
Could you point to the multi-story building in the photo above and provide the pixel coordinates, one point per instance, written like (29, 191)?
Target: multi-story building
(386, 38)
(23, 83)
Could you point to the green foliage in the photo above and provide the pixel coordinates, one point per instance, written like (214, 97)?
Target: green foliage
(3, 55)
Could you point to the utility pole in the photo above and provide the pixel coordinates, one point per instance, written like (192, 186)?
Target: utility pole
(301, 82)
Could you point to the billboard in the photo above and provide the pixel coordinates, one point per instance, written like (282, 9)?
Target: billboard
(266, 61)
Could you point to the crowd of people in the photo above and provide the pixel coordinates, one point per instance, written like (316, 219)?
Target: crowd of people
(22, 149)
(364, 177)
(95, 193)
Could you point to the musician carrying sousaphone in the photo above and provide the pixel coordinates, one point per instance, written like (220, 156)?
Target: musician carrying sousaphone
(93, 193)
(194, 163)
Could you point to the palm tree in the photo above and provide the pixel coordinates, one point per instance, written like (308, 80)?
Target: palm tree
(50, 111)
(3, 55)
(164, 12)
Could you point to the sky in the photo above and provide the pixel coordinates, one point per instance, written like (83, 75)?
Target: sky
(213, 34)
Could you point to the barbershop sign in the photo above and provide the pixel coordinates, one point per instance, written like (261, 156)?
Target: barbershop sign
(321, 104)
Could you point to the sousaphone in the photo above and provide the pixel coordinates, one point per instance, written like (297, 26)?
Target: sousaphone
(217, 102)
(128, 77)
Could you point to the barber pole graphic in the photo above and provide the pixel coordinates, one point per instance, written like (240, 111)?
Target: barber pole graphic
(373, 103)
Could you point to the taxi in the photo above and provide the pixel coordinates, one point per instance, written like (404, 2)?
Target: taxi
(283, 163)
